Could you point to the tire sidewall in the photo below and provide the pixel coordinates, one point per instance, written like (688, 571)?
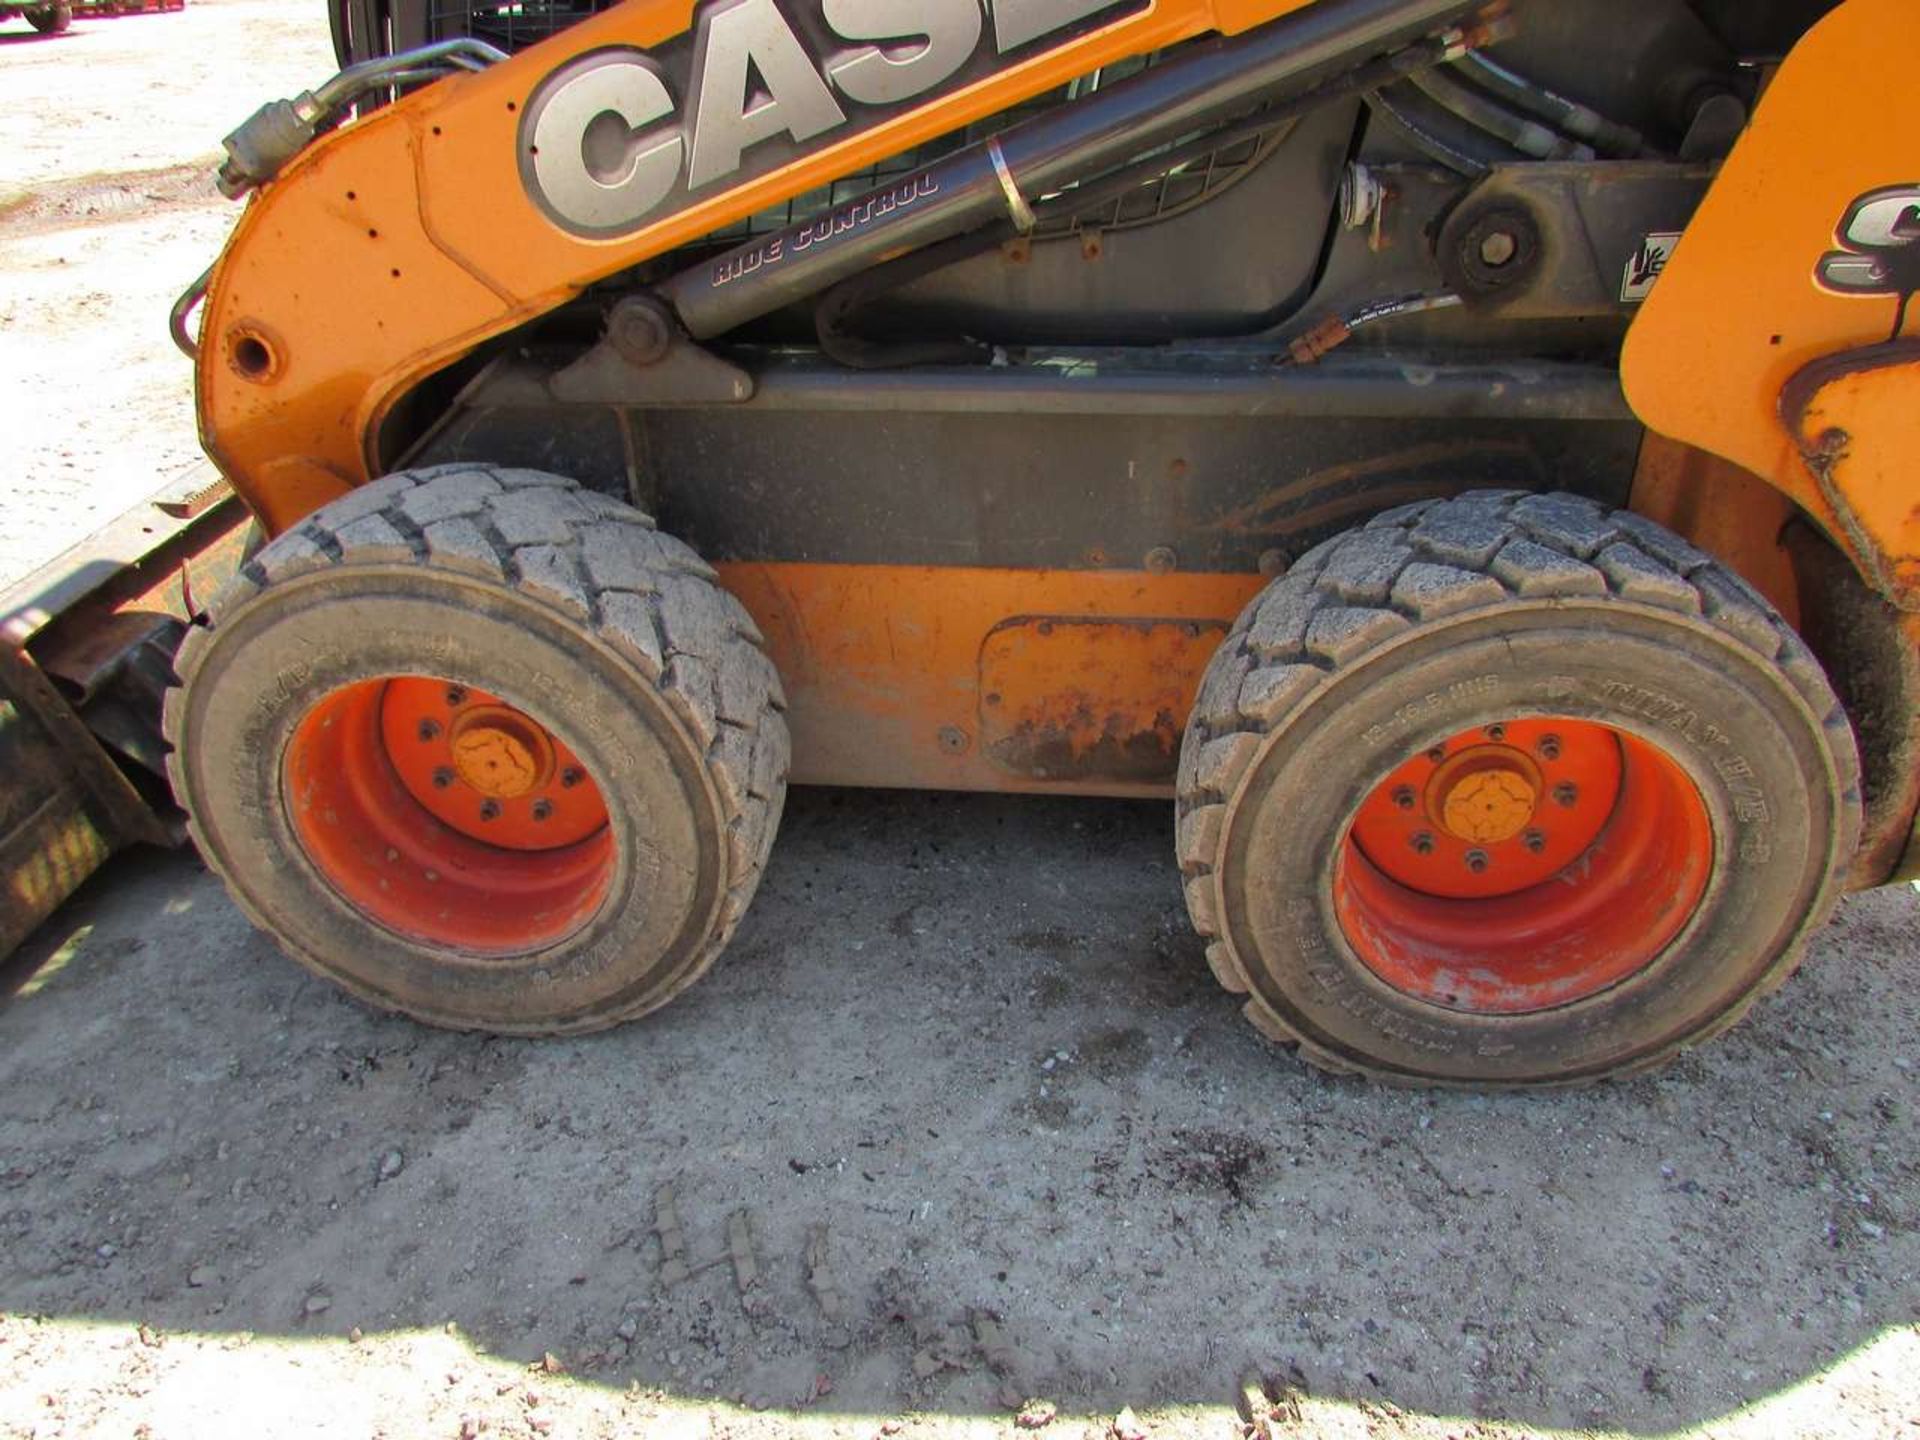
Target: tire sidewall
(272, 658)
(1749, 744)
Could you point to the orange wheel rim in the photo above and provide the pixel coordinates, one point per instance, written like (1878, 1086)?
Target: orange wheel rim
(1523, 865)
(448, 816)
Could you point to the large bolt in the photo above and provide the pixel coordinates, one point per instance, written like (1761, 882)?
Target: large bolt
(489, 809)
(429, 729)
(1498, 248)
(1535, 841)
(456, 695)
(571, 776)
(1422, 843)
(639, 331)
(1437, 754)
(1361, 196)
(442, 777)
(542, 809)
(1403, 796)
(1496, 732)
(1565, 793)
(1476, 860)
(1549, 747)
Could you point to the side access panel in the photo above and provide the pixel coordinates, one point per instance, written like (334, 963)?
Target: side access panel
(956, 678)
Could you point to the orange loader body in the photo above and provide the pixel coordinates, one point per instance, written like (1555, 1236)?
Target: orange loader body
(387, 219)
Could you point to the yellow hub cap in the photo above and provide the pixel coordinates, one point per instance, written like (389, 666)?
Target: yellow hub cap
(1485, 795)
(499, 753)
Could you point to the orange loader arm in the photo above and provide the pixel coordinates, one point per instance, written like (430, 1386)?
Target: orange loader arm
(387, 251)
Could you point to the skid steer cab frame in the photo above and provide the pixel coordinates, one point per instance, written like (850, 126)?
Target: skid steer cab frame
(1354, 418)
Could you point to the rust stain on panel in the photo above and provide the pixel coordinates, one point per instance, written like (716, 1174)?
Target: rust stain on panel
(1066, 698)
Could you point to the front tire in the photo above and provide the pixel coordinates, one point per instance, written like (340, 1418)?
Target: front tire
(484, 748)
(1510, 790)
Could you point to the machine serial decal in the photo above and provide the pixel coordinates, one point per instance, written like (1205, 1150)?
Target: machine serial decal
(1879, 238)
(619, 138)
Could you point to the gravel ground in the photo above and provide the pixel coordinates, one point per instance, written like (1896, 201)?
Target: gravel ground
(959, 1121)
(107, 212)
(987, 1131)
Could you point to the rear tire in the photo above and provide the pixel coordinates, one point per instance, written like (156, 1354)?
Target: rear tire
(484, 748)
(1510, 790)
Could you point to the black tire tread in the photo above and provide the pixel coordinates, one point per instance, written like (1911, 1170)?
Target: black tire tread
(602, 564)
(1437, 559)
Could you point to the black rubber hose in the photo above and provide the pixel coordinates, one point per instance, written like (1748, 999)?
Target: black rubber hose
(1606, 136)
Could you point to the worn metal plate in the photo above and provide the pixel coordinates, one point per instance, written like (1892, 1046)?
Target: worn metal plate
(53, 832)
(1068, 698)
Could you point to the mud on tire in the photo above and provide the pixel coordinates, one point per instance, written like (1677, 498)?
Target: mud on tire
(562, 602)
(1444, 618)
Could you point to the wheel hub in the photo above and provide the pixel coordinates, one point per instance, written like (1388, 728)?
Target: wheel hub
(1484, 795)
(499, 752)
(485, 768)
(1491, 811)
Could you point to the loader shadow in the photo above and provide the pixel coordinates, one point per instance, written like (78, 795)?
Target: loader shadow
(992, 1132)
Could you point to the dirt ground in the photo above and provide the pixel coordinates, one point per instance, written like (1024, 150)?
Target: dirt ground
(110, 134)
(959, 1122)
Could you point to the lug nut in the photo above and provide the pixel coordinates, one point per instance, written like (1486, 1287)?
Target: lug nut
(571, 776)
(1437, 754)
(1534, 841)
(1403, 796)
(1565, 793)
(429, 729)
(1422, 843)
(1476, 860)
(1549, 747)
(1496, 732)
(456, 695)
(489, 809)
(542, 809)
(442, 777)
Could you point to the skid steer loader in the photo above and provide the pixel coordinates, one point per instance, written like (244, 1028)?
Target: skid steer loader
(1460, 453)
